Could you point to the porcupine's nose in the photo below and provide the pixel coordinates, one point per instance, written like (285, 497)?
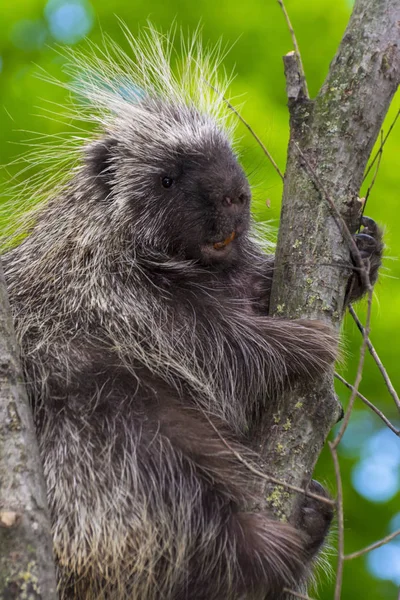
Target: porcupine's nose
(234, 202)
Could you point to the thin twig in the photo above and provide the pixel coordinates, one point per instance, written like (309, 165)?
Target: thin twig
(381, 542)
(383, 142)
(376, 358)
(371, 185)
(357, 382)
(249, 127)
(370, 405)
(296, 47)
(333, 448)
(340, 518)
(297, 594)
(268, 478)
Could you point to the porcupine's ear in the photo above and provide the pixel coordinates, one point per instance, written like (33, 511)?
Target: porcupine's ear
(100, 160)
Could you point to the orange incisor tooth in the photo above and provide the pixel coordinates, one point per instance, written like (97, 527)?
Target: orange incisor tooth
(228, 240)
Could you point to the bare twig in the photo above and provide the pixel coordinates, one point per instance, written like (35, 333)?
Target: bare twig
(378, 544)
(370, 405)
(340, 518)
(357, 382)
(249, 127)
(383, 142)
(297, 49)
(294, 79)
(376, 358)
(333, 448)
(378, 164)
(266, 477)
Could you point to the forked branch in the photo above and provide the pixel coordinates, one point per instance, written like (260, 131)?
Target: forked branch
(331, 140)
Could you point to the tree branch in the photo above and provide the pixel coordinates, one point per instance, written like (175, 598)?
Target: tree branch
(340, 518)
(300, 69)
(373, 546)
(370, 405)
(360, 367)
(250, 129)
(332, 137)
(26, 556)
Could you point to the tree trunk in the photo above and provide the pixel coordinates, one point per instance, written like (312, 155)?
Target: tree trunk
(26, 556)
(331, 139)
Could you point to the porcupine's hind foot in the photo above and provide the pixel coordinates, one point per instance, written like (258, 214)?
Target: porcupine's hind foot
(251, 555)
(265, 556)
(313, 521)
(315, 518)
(273, 555)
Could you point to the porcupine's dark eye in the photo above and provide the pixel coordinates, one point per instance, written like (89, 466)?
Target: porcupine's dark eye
(166, 181)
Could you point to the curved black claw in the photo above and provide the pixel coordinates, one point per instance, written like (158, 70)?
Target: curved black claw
(369, 240)
(366, 244)
(370, 227)
(341, 413)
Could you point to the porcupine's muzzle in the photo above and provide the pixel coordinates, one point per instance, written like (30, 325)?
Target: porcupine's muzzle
(233, 216)
(224, 244)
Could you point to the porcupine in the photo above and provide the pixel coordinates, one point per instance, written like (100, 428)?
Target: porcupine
(140, 299)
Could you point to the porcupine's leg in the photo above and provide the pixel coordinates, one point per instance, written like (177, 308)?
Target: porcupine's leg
(291, 347)
(241, 551)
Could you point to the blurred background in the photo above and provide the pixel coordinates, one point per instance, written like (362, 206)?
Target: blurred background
(30, 30)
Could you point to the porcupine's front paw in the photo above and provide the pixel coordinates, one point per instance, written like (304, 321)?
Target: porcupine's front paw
(370, 244)
(311, 346)
(315, 518)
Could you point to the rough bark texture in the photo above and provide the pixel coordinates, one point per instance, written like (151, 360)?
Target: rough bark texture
(26, 557)
(335, 134)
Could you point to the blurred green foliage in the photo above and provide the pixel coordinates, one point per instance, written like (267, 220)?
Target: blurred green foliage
(257, 34)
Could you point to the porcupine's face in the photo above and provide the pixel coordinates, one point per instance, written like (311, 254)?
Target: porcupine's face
(188, 196)
(208, 200)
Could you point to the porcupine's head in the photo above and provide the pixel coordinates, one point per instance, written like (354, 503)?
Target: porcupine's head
(165, 157)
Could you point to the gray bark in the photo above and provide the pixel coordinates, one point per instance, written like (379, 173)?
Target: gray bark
(335, 133)
(26, 556)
